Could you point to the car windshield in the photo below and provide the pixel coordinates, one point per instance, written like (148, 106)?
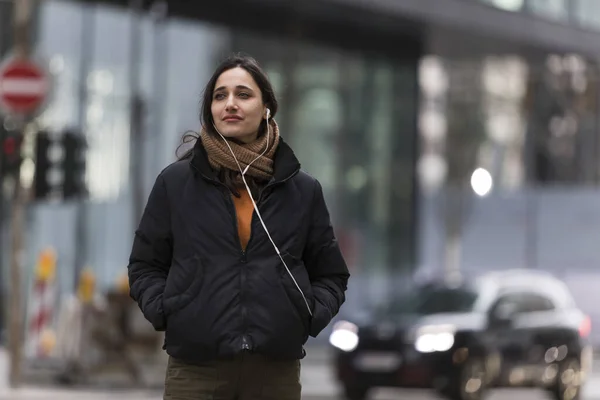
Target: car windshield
(427, 301)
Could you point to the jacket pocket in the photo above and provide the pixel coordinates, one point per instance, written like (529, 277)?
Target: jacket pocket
(182, 286)
(298, 289)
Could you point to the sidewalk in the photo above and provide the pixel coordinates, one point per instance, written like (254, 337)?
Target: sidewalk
(70, 394)
(316, 371)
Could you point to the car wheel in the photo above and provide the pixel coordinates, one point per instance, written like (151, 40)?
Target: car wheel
(356, 392)
(469, 381)
(569, 380)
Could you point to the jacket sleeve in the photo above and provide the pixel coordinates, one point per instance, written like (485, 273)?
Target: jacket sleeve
(325, 264)
(151, 255)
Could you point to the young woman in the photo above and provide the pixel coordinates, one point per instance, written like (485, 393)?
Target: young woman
(235, 256)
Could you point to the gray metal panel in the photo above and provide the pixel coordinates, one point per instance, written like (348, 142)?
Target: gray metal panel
(471, 16)
(466, 17)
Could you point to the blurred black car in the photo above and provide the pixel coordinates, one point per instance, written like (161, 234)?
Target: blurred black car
(505, 329)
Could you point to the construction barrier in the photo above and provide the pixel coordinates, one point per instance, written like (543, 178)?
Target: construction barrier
(40, 336)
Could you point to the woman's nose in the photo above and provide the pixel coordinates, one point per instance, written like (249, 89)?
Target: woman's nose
(230, 105)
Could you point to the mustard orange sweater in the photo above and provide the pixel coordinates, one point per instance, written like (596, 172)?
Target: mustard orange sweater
(244, 211)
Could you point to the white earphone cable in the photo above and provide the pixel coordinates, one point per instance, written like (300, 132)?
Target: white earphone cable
(243, 172)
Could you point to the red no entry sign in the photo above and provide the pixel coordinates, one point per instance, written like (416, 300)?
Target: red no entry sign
(23, 87)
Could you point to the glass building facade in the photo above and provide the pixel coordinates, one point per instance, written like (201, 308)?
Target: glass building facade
(348, 111)
(583, 13)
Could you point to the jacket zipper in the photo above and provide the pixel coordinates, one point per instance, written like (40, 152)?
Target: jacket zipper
(243, 260)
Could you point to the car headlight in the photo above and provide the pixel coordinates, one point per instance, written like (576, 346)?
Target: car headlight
(344, 336)
(429, 339)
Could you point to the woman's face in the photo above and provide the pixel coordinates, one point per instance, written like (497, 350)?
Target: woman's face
(237, 107)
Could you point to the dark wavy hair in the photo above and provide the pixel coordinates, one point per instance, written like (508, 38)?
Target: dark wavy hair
(251, 66)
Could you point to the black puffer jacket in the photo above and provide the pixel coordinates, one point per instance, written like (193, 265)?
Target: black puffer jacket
(190, 277)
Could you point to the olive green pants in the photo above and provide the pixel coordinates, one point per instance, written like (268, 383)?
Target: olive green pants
(247, 377)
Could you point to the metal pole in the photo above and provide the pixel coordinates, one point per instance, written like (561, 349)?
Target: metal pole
(87, 53)
(137, 153)
(530, 191)
(22, 18)
(5, 37)
(3, 287)
(159, 68)
(531, 233)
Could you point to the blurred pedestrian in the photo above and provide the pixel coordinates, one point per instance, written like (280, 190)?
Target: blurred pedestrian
(94, 323)
(77, 320)
(235, 255)
(111, 333)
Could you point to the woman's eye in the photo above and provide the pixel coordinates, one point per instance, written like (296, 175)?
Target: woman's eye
(219, 96)
(244, 95)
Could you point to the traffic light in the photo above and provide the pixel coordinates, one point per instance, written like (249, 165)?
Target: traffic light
(10, 157)
(60, 165)
(74, 146)
(42, 185)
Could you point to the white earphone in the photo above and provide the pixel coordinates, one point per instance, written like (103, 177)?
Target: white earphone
(243, 172)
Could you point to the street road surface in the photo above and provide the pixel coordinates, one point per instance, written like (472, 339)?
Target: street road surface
(317, 381)
(317, 385)
(45, 394)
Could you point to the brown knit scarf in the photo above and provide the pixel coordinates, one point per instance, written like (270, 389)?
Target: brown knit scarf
(219, 155)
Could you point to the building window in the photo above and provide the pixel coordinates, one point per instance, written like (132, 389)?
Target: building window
(587, 13)
(350, 119)
(551, 9)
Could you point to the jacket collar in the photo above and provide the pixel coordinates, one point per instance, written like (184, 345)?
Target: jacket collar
(286, 163)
